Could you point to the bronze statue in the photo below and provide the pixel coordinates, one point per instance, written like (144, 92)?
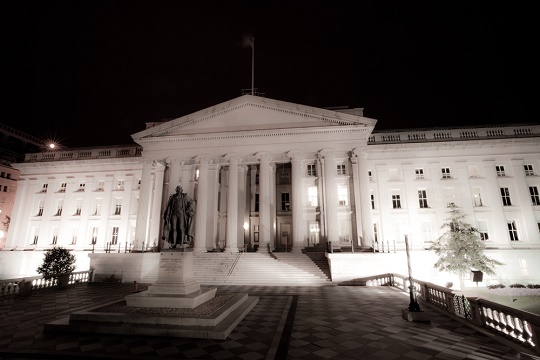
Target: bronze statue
(179, 219)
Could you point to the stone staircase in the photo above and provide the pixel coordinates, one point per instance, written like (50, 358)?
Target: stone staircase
(276, 269)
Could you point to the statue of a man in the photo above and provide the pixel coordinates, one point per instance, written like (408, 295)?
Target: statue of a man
(179, 218)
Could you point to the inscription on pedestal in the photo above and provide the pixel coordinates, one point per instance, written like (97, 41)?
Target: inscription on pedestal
(170, 265)
(175, 267)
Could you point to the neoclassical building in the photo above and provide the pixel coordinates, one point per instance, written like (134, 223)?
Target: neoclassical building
(272, 175)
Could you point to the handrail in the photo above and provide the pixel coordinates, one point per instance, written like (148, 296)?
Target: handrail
(235, 262)
(30, 283)
(519, 326)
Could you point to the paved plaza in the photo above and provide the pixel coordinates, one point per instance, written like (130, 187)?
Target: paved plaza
(331, 322)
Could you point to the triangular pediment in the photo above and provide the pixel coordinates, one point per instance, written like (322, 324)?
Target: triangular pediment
(252, 113)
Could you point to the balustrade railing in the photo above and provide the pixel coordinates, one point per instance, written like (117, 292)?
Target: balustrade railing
(519, 326)
(29, 283)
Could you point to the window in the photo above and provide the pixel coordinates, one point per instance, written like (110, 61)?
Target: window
(396, 201)
(375, 232)
(422, 199)
(257, 177)
(483, 230)
(40, 208)
(94, 235)
(8, 176)
(114, 239)
(285, 203)
(256, 233)
(74, 234)
(500, 170)
(139, 184)
(311, 170)
(477, 198)
(100, 186)
(117, 206)
(5, 188)
(55, 236)
(256, 202)
(78, 207)
(97, 209)
(419, 173)
(62, 187)
(3, 174)
(372, 201)
(445, 172)
(449, 196)
(341, 169)
(44, 188)
(120, 185)
(36, 237)
(59, 208)
(81, 187)
(312, 196)
(370, 175)
(344, 226)
(196, 176)
(505, 195)
(533, 190)
(528, 170)
(342, 195)
(512, 231)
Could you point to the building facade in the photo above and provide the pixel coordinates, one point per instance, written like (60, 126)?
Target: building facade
(267, 174)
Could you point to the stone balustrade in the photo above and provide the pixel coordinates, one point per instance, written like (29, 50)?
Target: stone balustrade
(29, 283)
(78, 154)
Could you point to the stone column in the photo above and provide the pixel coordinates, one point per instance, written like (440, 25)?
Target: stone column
(360, 239)
(492, 199)
(529, 231)
(201, 209)
(365, 199)
(331, 195)
(155, 225)
(232, 205)
(143, 210)
(18, 236)
(298, 223)
(265, 223)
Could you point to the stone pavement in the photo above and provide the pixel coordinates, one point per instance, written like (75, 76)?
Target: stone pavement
(330, 322)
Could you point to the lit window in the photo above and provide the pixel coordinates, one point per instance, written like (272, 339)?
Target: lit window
(396, 201)
(40, 208)
(97, 209)
(344, 230)
(505, 195)
(59, 208)
(533, 190)
(342, 195)
(528, 170)
(500, 170)
(35, 237)
(94, 235)
(285, 202)
(81, 187)
(120, 185)
(196, 176)
(445, 172)
(483, 230)
(372, 201)
(78, 207)
(341, 169)
(44, 188)
(74, 234)
(54, 239)
(117, 206)
(114, 238)
(422, 199)
(370, 175)
(375, 232)
(100, 186)
(312, 196)
(63, 187)
(311, 170)
(419, 173)
(512, 231)
(477, 198)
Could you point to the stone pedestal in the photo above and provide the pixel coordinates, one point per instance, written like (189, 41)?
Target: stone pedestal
(416, 316)
(175, 287)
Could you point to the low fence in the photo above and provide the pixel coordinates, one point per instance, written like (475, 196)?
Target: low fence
(30, 283)
(519, 326)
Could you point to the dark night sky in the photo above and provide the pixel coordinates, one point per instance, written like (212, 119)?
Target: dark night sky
(93, 72)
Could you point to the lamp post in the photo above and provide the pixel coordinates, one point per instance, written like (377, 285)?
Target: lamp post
(413, 305)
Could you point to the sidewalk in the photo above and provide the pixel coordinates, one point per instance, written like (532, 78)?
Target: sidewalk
(328, 322)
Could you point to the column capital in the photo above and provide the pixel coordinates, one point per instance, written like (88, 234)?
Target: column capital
(295, 155)
(160, 163)
(264, 156)
(361, 153)
(327, 153)
(233, 158)
(203, 159)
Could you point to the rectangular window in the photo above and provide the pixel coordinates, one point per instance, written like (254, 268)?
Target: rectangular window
(342, 195)
(370, 175)
(97, 208)
(59, 208)
(74, 234)
(256, 202)
(81, 187)
(449, 197)
(311, 170)
(117, 206)
(505, 195)
(500, 170)
(114, 239)
(40, 208)
(372, 201)
(36, 237)
(5, 188)
(375, 237)
(483, 230)
(285, 202)
(422, 199)
(396, 201)
(256, 233)
(139, 182)
(95, 230)
(512, 231)
(477, 198)
(445, 172)
(312, 196)
(100, 186)
(528, 170)
(341, 169)
(419, 173)
(44, 188)
(344, 226)
(120, 185)
(54, 240)
(63, 187)
(533, 190)
(78, 207)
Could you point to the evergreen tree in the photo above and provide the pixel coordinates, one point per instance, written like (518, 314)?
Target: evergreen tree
(460, 249)
(57, 261)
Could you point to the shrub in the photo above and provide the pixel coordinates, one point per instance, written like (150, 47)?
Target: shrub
(496, 286)
(57, 261)
(517, 286)
(533, 286)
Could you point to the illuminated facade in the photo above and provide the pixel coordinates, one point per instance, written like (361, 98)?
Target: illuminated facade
(268, 174)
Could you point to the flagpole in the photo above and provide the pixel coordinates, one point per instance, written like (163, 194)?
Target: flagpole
(253, 66)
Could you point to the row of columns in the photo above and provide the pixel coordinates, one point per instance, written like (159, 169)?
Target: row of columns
(151, 200)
